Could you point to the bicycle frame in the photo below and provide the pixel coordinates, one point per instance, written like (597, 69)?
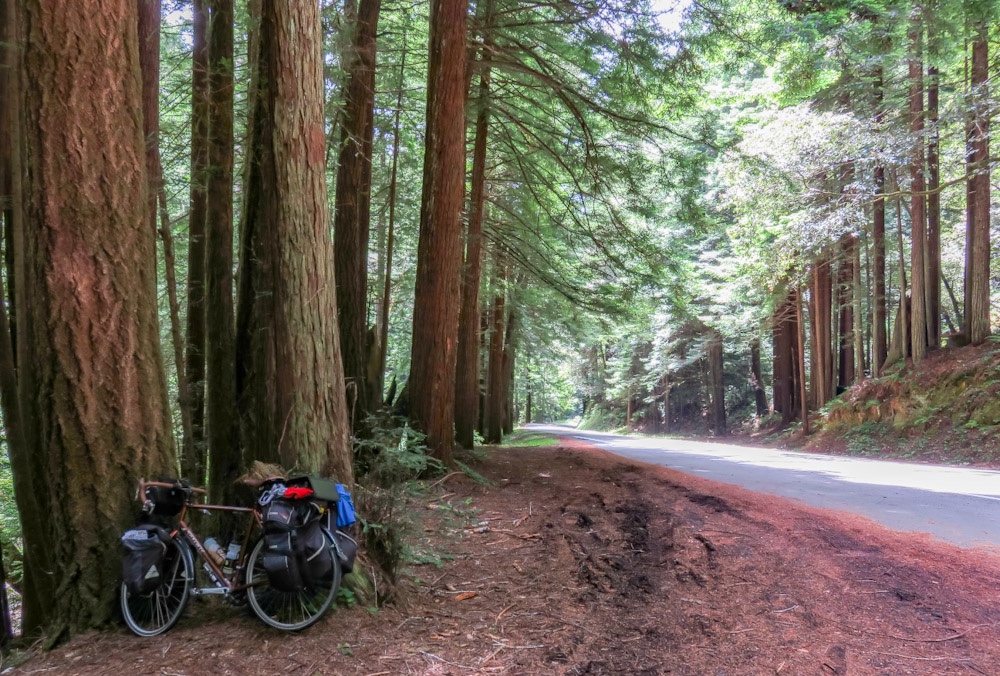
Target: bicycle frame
(224, 584)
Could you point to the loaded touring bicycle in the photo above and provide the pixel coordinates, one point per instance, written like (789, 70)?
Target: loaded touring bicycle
(286, 563)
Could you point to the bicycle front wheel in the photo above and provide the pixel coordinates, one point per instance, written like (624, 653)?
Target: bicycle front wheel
(290, 611)
(154, 613)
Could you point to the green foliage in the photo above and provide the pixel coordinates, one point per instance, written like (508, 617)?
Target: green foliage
(10, 526)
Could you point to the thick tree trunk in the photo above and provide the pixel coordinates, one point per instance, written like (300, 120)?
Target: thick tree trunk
(93, 384)
(718, 387)
(225, 451)
(845, 307)
(977, 272)
(918, 208)
(493, 415)
(194, 466)
(467, 363)
(860, 354)
(784, 366)
(822, 341)
(439, 254)
(36, 553)
(291, 380)
(509, 355)
(932, 255)
(756, 380)
(352, 215)
(879, 318)
(800, 360)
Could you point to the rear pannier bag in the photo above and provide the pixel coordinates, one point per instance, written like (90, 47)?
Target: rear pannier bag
(315, 554)
(142, 562)
(281, 519)
(297, 553)
(347, 550)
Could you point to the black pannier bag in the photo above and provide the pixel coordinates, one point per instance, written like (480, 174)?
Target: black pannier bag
(315, 554)
(142, 563)
(281, 519)
(346, 546)
(347, 550)
(297, 554)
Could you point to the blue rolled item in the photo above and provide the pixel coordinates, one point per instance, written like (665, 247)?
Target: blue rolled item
(345, 508)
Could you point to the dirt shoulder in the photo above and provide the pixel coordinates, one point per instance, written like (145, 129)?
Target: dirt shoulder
(574, 561)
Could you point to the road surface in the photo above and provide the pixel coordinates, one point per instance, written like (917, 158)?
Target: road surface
(955, 504)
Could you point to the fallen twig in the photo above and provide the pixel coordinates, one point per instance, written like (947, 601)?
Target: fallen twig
(939, 640)
(441, 659)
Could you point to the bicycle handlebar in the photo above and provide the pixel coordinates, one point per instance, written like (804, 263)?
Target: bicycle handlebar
(143, 484)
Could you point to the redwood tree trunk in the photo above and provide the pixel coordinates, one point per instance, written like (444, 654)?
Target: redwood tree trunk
(845, 306)
(467, 363)
(439, 254)
(977, 273)
(879, 318)
(291, 387)
(493, 415)
(932, 254)
(352, 215)
(509, 355)
(822, 345)
(918, 208)
(93, 384)
(784, 368)
(718, 393)
(756, 380)
(225, 452)
(35, 554)
(194, 466)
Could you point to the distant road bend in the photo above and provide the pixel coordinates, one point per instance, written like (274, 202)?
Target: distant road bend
(955, 504)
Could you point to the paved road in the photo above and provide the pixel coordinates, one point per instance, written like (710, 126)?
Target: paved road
(955, 504)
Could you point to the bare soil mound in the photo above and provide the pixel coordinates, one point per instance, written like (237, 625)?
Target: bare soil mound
(576, 562)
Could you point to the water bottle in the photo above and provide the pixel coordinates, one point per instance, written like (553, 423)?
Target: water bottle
(214, 550)
(231, 555)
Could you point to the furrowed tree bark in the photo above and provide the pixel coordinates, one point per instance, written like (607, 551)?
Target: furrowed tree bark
(509, 356)
(879, 315)
(439, 254)
(718, 393)
(194, 466)
(822, 340)
(800, 360)
(845, 307)
(93, 384)
(291, 379)
(35, 552)
(932, 265)
(756, 380)
(977, 273)
(385, 302)
(918, 208)
(352, 216)
(225, 452)
(467, 362)
(493, 414)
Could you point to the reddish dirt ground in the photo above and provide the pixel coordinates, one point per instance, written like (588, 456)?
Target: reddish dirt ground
(577, 562)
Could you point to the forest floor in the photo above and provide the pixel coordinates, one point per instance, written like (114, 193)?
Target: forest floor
(574, 561)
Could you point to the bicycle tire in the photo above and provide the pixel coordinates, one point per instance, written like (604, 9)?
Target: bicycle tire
(290, 611)
(154, 613)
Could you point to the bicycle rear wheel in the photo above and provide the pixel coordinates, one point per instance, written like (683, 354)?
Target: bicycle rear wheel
(154, 613)
(290, 611)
